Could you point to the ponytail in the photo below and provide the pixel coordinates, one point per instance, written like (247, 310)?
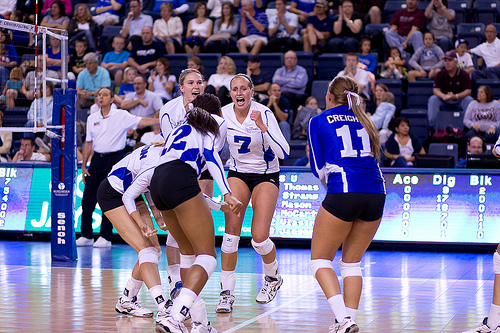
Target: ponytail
(202, 121)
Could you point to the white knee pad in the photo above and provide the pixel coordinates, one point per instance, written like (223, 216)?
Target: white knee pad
(496, 263)
(187, 260)
(171, 241)
(316, 264)
(149, 254)
(350, 269)
(229, 243)
(207, 262)
(263, 248)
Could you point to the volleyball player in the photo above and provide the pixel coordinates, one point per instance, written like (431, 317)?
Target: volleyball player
(255, 144)
(344, 153)
(172, 114)
(492, 322)
(176, 193)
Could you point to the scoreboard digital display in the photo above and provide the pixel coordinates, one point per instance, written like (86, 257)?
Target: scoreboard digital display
(422, 205)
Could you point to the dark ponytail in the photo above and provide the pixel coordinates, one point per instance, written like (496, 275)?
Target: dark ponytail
(202, 121)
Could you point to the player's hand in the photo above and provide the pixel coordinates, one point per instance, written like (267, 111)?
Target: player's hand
(161, 223)
(85, 174)
(224, 207)
(146, 230)
(234, 204)
(256, 116)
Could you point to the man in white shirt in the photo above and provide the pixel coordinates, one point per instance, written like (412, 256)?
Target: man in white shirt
(133, 24)
(142, 102)
(490, 52)
(27, 152)
(351, 69)
(7, 7)
(283, 29)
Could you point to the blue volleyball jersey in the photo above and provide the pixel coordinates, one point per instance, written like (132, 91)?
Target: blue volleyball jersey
(131, 176)
(197, 150)
(340, 153)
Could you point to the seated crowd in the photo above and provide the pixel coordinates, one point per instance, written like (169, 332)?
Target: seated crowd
(420, 44)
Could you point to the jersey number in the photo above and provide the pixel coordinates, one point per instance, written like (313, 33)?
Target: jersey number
(179, 134)
(348, 150)
(245, 143)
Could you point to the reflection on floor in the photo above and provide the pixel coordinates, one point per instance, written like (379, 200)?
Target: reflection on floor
(403, 292)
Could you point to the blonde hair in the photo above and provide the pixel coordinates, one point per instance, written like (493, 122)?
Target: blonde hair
(337, 88)
(16, 74)
(125, 72)
(388, 97)
(231, 67)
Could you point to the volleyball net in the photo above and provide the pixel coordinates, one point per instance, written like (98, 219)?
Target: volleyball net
(51, 111)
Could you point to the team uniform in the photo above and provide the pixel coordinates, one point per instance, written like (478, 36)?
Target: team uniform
(341, 157)
(172, 114)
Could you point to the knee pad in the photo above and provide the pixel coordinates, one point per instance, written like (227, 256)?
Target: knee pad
(350, 269)
(149, 254)
(187, 260)
(229, 243)
(496, 263)
(316, 264)
(171, 241)
(207, 262)
(263, 248)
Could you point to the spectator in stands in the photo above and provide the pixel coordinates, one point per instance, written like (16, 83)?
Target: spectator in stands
(18, 37)
(68, 6)
(57, 18)
(91, 79)
(346, 29)
(40, 116)
(196, 63)
(82, 25)
(405, 28)
(108, 11)
(402, 145)
(489, 51)
(215, 7)
(452, 87)
(283, 29)
(169, 29)
(127, 85)
(464, 58)
(383, 115)
(116, 61)
(394, 65)
(370, 10)
(28, 88)
(54, 55)
(144, 54)
(367, 60)
(253, 28)
(260, 78)
(318, 29)
(179, 6)
(27, 152)
(483, 116)
(303, 9)
(134, 23)
(440, 23)
(5, 142)
(280, 106)
(359, 75)
(12, 87)
(141, 102)
(303, 161)
(76, 63)
(475, 145)
(378, 95)
(7, 7)
(161, 82)
(226, 30)
(219, 83)
(292, 79)
(304, 114)
(259, 5)
(427, 60)
(198, 30)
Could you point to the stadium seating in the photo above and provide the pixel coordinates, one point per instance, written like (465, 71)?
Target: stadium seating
(462, 10)
(419, 93)
(418, 122)
(450, 149)
(297, 150)
(210, 62)
(390, 8)
(486, 10)
(329, 65)
(473, 33)
(305, 59)
(318, 90)
(178, 62)
(454, 119)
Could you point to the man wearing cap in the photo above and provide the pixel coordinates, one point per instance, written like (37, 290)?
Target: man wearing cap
(452, 87)
(261, 79)
(490, 52)
(253, 28)
(283, 29)
(464, 58)
(405, 28)
(318, 30)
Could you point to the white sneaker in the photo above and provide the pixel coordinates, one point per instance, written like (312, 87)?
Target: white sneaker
(398, 74)
(483, 328)
(197, 327)
(226, 300)
(42, 145)
(83, 241)
(102, 242)
(269, 289)
(346, 326)
(163, 313)
(132, 307)
(170, 325)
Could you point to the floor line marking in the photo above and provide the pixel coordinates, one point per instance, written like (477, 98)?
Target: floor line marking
(249, 321)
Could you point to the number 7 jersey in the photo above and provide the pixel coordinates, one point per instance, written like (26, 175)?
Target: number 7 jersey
(251, 150)
(340, 153)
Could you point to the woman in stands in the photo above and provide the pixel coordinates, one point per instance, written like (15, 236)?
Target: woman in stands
(198, 30)
(402, 145)
(175, 191)
(82, 25)
(218, 83)
(161, 81)
(228, 24)
(57, 18)
(482, 116)
(255, 144)
(344, 153)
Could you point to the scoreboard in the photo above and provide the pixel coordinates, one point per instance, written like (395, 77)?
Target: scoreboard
(422, 205)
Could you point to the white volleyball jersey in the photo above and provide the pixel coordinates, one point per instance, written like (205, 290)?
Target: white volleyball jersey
(186, 144)
(171, 115)
(131, 176)
(252, 151)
